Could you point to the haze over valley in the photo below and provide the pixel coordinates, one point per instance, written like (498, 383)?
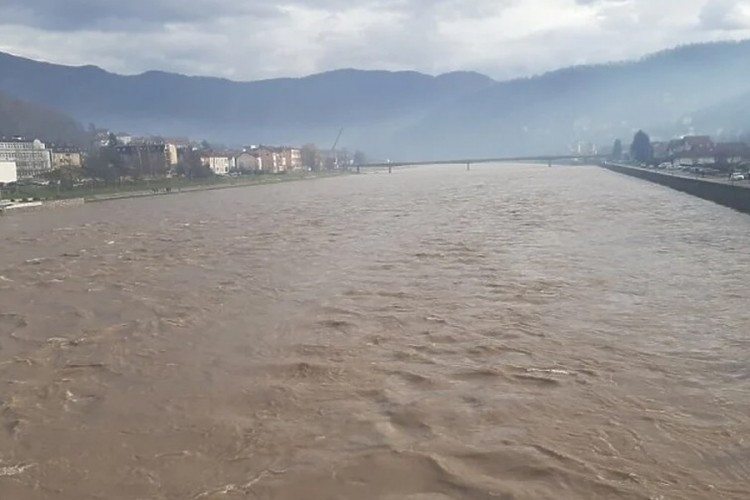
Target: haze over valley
(700, 88)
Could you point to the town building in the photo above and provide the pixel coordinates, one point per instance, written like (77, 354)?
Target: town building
(65, 157)
(692, 150)
(32, 158)
(269, 160)
(276, 159)
(292, 158)
(247, 162)
(731, 153)
(172, 155)
(147, 160)
(583, 149)
(219, 164)
(8, 172)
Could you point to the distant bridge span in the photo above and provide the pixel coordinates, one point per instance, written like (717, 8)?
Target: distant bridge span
(548, 159)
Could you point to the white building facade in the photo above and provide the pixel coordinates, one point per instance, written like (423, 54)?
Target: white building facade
(220, 165)
(31, 158)
(8, 172)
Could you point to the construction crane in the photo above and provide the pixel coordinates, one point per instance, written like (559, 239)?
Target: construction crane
(333, 149)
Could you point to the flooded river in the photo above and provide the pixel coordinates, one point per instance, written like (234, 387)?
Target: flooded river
(511, 332)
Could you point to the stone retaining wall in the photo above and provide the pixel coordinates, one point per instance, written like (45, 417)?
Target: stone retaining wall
(737, 197)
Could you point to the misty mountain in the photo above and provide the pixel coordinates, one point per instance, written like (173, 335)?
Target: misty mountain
(20, 118)
(690, 89)
(729, 119)
(288, 110)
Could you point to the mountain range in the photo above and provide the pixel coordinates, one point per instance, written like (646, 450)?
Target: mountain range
(700, 88)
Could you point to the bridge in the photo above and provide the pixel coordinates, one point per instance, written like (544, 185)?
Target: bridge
(548, 159)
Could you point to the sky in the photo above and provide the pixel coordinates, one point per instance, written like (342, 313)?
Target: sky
(258, 39)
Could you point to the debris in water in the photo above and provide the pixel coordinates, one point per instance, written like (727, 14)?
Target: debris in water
(14, 470)
(549, 371)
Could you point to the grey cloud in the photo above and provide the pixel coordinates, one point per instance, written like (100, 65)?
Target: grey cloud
(254, 39)
(138, 15)
(122, 15)
(723, 15)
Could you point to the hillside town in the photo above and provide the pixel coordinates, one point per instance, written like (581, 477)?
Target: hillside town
(698, 154)
(117, 156)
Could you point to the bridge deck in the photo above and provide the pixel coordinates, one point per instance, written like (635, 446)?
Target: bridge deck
(472, 161)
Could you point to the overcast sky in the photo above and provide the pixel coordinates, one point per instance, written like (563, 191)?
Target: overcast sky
(254, 39)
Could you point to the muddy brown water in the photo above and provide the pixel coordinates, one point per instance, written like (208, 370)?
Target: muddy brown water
(511, 332)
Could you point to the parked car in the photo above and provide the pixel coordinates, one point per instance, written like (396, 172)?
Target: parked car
(737, 176)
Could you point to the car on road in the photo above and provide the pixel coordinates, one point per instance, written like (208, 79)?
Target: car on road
(737, 176)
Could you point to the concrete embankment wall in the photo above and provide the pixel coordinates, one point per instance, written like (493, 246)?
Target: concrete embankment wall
(737, 197)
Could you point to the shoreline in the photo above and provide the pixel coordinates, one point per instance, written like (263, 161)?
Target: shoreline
(735, 196)
(211, 187)
(124, 195)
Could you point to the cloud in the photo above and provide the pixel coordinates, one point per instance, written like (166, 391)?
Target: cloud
(119, 15)
(725, 15)
(254, 39)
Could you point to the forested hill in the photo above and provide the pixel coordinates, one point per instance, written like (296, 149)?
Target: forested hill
(21, 118)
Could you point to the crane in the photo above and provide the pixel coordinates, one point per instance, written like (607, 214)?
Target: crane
(333, 149)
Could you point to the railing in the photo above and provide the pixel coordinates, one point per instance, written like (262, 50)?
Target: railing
(549, 159)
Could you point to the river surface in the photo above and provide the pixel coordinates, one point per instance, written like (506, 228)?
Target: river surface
(513, 332)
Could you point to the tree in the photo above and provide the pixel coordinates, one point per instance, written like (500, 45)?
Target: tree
(65, 177)
(310, 157)
(191, 167)
(359, 158)
(617, 150)
(641, 150)
(98, 165)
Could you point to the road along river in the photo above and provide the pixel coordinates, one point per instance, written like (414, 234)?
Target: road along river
(513, 332)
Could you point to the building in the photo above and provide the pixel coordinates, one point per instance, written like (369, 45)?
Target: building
(269, 160)
(731, 153)
(147, 160)
(277, 159)
(692, 150)
(219, 164)
(292, 158)
(172, 156)
(8, 172)
(32, 158)
(583, 149)
(247, 162)
(65, 158)
(691, 144)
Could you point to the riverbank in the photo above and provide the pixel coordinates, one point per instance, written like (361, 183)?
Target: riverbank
(724, 193)
(48, 199)
(223, 183)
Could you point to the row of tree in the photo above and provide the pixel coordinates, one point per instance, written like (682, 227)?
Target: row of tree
(641, 149)
(107, 164)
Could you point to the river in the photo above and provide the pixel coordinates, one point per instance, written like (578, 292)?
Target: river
(513, 332)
